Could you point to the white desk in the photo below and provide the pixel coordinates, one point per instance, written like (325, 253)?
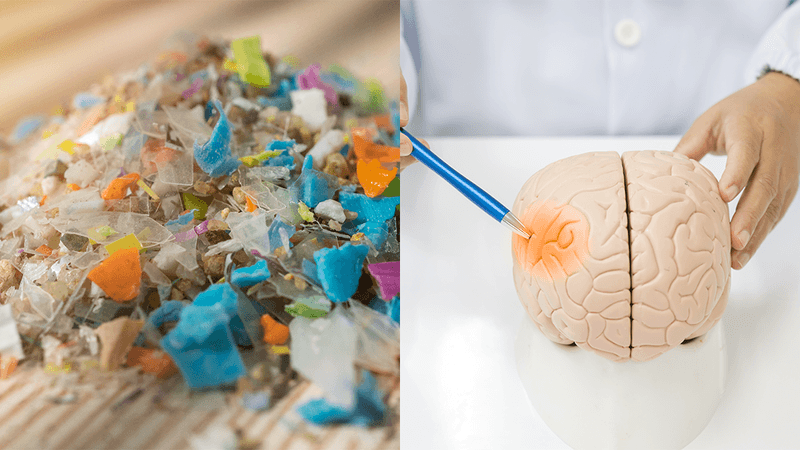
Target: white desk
(460, 311)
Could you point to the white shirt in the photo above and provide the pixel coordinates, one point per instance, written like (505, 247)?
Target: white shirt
(575, 67)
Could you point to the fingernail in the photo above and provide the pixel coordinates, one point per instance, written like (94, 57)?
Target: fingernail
(731, 191)
(744, 237)
(743, 258)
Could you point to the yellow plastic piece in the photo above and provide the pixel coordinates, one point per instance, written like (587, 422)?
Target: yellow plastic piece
(249, 62)
(129, 241)
(147, 189)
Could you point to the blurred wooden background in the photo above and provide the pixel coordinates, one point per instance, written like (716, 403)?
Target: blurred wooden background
(50, 50)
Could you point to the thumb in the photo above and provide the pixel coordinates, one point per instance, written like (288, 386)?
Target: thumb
(700, 139)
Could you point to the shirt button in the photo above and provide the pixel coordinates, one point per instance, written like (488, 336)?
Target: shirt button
(627, 33)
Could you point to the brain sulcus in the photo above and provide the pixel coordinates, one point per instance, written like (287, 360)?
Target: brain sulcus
(628, 256)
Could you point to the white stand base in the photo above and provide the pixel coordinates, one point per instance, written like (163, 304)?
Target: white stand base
(594, 403)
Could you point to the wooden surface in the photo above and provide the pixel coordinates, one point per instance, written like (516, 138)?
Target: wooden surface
(50, 50)
(108, 413)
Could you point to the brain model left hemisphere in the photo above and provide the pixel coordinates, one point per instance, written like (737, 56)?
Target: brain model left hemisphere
(628, 256)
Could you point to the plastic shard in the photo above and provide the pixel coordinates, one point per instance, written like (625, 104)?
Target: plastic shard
(118, 187)
(128, 241)
(378, 209)
(116, 338)
(152, 361)
(252, 275)
(388, 276)
(119, 275)
(249, 62)
(275, 333)
(324, 351)
(203, 349)
(368, 409)
(10, 343)
(339, 269)
(374, 178)
(214, 157)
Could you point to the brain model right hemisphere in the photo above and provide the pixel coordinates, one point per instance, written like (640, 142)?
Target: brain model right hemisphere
(628, 257)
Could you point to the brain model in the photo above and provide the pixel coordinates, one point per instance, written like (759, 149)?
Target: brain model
(628, 256)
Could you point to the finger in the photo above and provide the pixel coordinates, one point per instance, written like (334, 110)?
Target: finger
(701, 137)
(405, 146)
(743, 145)
(757, 197)
(403, 102)
(406, 161)
(772, 215)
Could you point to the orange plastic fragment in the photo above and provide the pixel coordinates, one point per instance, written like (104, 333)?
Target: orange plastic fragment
(41, 202)
(367, 150)
(274, 333)
(155, 153)
(118, 187)
(250, 205)
(559, 243)
(73, 187)
(44, 250)
(383, 121)
(119, 275)
(374, 177)
(8, 365)
(152, 361)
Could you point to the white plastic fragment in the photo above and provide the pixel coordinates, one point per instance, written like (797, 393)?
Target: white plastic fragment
(10, 343)
(330, 142)
(311, 106)
(113, 124)
(331, 209)
(81, 173)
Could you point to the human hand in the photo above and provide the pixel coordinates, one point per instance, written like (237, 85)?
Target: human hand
(405, 144)
(758, 127)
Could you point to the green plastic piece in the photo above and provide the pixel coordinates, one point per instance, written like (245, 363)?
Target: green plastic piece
(249, 62)
(190, 202)
(393, 190)
(300, 309)
(304, 212)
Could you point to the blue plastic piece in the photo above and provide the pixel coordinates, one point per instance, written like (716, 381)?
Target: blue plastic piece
(85, 100)
(169, 311)
(378, 209)
(25, 127)
(214, 157)
(345, 150)
(222, 295)
(282, 103)
(281, 145)
(182, 220)
(273, 233)
(339, 269)
(469, 189)
(203, 349)
(209, 111)
(310, 270)
(252, 275)
(284, 159)
(390, 308)
(313, 186)
(368, 409)
(377, 232)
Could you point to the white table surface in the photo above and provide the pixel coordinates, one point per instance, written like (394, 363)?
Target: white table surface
(460, 311)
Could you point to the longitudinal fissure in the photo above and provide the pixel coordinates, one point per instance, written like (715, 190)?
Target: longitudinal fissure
(630, 247)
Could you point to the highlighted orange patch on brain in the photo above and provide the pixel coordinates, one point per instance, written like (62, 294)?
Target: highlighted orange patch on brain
(559, 243)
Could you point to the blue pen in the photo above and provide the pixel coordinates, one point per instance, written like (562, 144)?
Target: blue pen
(477, 195)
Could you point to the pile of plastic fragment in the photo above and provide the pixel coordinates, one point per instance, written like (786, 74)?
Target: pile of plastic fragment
(220, 213)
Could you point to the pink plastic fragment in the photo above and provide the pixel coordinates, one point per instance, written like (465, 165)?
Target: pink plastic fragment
(388, 276)
(185, 235)
(198, 83)
(202, 228)
(310, 79)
